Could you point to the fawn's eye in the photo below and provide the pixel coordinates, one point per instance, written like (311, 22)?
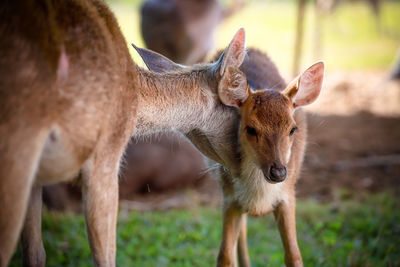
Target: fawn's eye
(292, 131)
(251, 131)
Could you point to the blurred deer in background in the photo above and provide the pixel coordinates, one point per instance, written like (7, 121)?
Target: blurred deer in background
(170, 162)
(182, 30)
(395, 73)
(259, 139)
(70, 98)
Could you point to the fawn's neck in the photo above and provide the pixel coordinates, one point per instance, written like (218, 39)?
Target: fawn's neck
(173, 101)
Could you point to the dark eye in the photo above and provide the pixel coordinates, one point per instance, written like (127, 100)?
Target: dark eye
(292, 131)
(251, 131)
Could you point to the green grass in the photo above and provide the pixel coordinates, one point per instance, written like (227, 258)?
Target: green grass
(345, 233)
(351, 38)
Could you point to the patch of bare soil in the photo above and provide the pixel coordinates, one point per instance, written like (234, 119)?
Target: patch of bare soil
(358, 152)
(354, 137)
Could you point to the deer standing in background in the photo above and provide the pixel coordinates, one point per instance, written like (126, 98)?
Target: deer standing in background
(182, 30)
(259, 145)
(70, 98)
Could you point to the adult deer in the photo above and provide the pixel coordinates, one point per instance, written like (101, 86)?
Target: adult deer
(259, 139)
(70, 98)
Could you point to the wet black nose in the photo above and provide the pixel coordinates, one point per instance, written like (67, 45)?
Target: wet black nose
(277, 174)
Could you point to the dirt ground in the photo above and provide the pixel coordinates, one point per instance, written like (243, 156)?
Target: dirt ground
(354, 136)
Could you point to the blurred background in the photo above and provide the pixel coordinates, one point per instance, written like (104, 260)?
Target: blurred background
(349, 204)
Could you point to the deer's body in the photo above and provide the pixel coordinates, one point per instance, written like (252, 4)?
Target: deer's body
(58, 73)
(70, 99)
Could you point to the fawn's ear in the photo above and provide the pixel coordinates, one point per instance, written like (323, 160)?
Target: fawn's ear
(232, 88)
(234, 55)
(305, 89)
(156, 62)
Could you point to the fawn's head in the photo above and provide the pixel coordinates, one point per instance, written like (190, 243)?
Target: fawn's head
(267, 128)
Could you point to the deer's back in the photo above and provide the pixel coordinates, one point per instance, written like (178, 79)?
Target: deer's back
(34, 36)
(261, 71)
(64, 67)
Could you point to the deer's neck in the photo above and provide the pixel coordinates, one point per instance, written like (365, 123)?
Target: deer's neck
(185, 102)
(173, 101)
(219, 140)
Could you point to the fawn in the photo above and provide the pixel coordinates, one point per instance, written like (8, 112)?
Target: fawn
(260, 147)
(182, 30)
(70, 99)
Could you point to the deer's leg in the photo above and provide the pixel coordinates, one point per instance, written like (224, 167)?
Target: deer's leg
(243, 252)
(232, 221)
(100, 196)
(32, 245)
(20, 152)
(286, 220)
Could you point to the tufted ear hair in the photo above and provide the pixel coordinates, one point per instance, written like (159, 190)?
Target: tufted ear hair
(306, 88)
(233, 89)
(156, 62)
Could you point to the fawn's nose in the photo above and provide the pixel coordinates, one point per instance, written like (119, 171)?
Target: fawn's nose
(277, 174)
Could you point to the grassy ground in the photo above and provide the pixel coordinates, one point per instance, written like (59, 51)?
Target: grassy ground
(351, 38)
(344, 233)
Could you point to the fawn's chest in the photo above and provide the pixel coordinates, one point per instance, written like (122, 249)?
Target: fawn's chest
(253, 193)
(259, 197)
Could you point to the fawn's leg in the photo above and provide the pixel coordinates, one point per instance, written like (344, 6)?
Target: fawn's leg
(243, 252)
(285, 216)
(100, 196)
(232, 221)
(32, 245)
(20, 152)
